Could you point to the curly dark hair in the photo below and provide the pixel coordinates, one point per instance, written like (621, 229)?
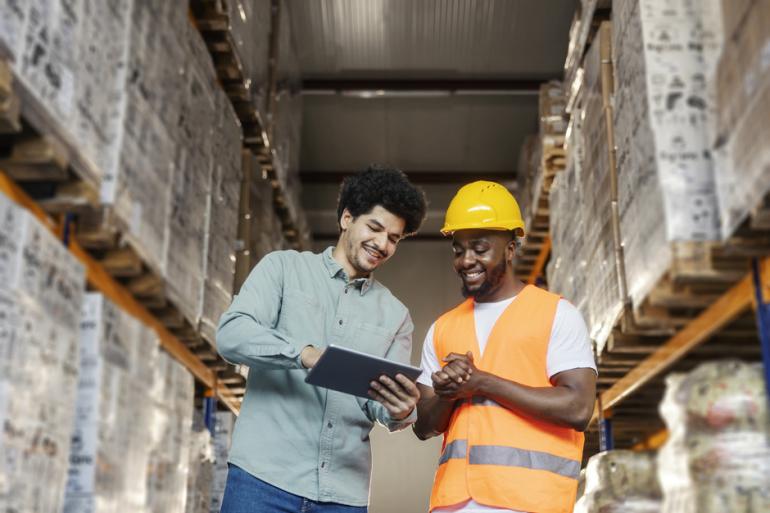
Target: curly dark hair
(388, 188)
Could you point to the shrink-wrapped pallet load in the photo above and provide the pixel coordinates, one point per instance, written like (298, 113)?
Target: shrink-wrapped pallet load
(717, 456)
(620, 481)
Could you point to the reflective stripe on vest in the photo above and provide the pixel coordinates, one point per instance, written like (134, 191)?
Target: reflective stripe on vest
(457, 449)
(511, 457)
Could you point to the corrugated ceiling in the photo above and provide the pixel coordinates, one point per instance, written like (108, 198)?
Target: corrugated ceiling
(432, 38)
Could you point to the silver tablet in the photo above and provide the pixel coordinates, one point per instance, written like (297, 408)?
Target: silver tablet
(350, 371)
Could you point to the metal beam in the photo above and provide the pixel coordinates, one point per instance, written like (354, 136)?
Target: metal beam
(451, 86)
(723, 311)
(419, 177)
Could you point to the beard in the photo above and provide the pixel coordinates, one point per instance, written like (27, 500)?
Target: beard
(494, 276)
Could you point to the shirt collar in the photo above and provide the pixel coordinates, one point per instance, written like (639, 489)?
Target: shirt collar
(336, 271)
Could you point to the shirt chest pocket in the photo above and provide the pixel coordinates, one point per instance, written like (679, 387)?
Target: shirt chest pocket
(371, 338)
(301, 316)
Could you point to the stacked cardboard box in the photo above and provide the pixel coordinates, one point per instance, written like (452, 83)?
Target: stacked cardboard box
(41, 290)
(222, 229)
(666, 176)
(201, 474)
(223, 435)
(105, 409)
(171, 428)
(717, 456)
(743, 105)
(590, 219)
(620, 481)
(249, 26)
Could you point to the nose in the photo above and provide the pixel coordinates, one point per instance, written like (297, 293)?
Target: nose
(381, 243)
(467, 260)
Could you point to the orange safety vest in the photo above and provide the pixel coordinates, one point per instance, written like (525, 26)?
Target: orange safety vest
(494, 455)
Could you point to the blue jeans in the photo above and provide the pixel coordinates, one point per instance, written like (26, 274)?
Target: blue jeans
(245, 493)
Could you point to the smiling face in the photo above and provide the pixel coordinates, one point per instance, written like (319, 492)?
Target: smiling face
(483, 260)
(369, 240)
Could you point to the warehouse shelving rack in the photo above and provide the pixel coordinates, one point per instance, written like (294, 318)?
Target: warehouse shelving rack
(101, 280)
(703, 309)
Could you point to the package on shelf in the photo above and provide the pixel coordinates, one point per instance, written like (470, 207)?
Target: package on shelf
(38, 385)
(552, 108)
(48, 61)
(223, 435)
(170, 436)
(266, 228)
(620, 481)
(41, 287)
(222, 228)
(665, 172)
(743, 106)
(527, 167)
(717, 456)
(249, 25)
(103, 50)
(104, 414)
(13, 16)
(191, 183)
(578, 37)
(201, 474)
(603, 303)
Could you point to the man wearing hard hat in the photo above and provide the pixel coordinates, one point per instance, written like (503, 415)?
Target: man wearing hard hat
(508, 377)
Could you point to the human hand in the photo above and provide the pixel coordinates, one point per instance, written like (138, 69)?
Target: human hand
(310, 355)
(399, 396)
(459, 378)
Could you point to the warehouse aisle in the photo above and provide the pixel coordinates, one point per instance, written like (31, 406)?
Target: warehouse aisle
(152, 153)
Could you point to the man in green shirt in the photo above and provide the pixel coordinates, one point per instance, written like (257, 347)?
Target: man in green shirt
(297, 447)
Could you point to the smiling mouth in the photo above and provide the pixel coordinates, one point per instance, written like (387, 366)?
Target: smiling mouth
(373, 253)
(472, 276)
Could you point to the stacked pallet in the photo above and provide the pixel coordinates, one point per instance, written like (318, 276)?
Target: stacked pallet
(126, 93)
(41, 291)
(717, 457)
(584, 266)
(666, 186)
(541, 158)
(201, 474)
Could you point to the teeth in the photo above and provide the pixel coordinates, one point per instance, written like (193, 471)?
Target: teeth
(473, 275)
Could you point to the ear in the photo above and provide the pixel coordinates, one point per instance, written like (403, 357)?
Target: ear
(345, 219)
(510, 250)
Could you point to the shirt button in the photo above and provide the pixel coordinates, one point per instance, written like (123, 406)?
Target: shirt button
(323, 464)
(340, 322)
(329, 425)
(346, 291)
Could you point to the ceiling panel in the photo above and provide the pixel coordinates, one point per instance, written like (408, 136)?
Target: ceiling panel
(432, 38)
(470, 134)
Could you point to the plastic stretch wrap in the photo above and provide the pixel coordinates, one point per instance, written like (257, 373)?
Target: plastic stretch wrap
(97, 474)
(41, 286)
(199, 479)
(665, 172)
(620, 482)
(191, 184)
(223, 434)
(249, 22)
(581, 227)
(223, 218)
(567, 269)
(743, 106)
(717, 457)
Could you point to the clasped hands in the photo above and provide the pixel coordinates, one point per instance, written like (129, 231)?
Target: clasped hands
(459, 378)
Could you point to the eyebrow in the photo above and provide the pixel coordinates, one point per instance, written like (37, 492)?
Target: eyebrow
(382, 227)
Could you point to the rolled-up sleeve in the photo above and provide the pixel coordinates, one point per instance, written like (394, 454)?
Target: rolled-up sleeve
(246, 333)
(400, 351)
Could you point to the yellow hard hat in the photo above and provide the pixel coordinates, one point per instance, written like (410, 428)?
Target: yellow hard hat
(483, 205)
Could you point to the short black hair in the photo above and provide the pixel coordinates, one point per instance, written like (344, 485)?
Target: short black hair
(386, 187)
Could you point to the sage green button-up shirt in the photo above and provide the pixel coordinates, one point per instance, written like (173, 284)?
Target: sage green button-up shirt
(306, 440)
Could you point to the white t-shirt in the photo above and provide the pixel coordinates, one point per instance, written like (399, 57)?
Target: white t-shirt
(569, 348)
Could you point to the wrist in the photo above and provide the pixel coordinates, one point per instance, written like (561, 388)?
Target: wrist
(483, 384)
